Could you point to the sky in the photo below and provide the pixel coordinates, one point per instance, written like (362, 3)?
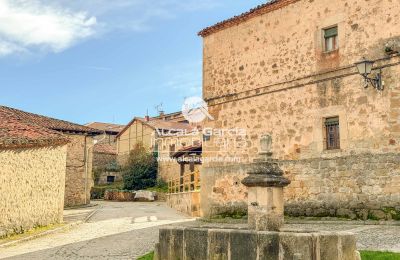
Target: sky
(102, 60)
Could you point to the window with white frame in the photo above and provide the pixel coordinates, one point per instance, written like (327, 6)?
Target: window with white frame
(331, 39)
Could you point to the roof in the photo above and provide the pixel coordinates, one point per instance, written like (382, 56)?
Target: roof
(259, 10)
(196, 149)
(50, 123)
(16, 133)
(161, 124)
(105, 149)
(112, 129)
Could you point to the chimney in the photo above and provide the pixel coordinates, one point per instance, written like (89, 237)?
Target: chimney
(147, 118)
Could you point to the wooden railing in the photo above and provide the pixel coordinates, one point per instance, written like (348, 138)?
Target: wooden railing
(189, 181)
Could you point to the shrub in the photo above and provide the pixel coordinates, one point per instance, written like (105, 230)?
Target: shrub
(141, 171)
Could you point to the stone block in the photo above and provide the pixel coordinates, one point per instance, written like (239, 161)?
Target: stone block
(218, 241)
(296, 246)
(144, 195)
(196, 244)
(268, 245)
(329, 246)
(171, 243)
(243, 244)
(348, 245)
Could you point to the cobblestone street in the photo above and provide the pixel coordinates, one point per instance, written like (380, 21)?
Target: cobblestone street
(128, 230)
(115, 231)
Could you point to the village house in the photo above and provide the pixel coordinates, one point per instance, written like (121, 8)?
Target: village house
(287, 69)
(145, 131)
(105, 150)
(79, 177)
(32, 174)
(110, 130)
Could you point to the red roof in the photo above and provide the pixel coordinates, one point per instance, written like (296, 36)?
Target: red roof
(259, 10)
(50, 123)
(16, 133)
(105, 148)
(107, 127)
(196, 149)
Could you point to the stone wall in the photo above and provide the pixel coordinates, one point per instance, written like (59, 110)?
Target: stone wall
(79, 176)
(270, 75)
(186, 202)
(101, 160)
(360, 186)
(32, 183)
(102, 177)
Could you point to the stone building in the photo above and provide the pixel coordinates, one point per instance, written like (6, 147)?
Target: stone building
(79, 177)
(105, 149)
(287, 69)
(32, 174)
(110, 132)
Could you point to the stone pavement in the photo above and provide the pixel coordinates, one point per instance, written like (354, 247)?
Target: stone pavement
(117, 230)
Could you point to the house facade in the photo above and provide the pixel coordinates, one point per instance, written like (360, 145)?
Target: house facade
(105, 149)
(79, 176)
(286, 69)
(32, 175)
(154, 133)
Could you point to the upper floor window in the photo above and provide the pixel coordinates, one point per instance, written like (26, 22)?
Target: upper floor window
(331, 39)
(332, 133)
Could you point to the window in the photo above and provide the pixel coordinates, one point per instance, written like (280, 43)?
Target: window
(110, 179)
(332, 133)
(331, 39)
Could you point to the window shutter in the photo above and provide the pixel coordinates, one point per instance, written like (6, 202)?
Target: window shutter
(331, 32)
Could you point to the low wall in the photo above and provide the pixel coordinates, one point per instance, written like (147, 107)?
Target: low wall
(186, 202)
(119, 195)
(359, 186)
(32, 183)
(213, 243)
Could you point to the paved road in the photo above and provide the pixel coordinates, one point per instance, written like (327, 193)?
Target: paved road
(117, 230)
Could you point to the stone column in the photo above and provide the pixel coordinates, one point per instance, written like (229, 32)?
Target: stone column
(265, 191)
(265, 196)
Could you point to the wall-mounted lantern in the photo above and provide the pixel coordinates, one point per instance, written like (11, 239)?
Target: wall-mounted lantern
(365, 68)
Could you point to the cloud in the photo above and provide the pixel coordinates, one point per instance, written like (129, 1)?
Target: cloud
(30, 25)
(184, 78)
(135, 15)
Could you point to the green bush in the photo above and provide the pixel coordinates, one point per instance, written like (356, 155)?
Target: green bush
(141, 172)
(161, 186)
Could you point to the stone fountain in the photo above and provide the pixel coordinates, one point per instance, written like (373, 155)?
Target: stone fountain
(265, 237)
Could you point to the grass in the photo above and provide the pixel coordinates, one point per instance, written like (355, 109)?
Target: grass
(148, 256)
(375, 255)
(28, 233)
(365, 255)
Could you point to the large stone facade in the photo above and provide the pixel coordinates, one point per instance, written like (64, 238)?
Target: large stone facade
(79, 176)
(268, 74)
(32, 182)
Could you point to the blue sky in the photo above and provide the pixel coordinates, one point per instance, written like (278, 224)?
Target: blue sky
(102, 60)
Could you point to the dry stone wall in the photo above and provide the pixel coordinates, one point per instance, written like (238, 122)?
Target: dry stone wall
(32, 183)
